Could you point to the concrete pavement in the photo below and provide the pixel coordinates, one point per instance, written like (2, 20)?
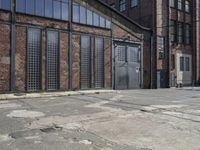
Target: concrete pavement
(164, 119)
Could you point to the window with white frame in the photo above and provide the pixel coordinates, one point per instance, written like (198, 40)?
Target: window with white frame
(184, 63)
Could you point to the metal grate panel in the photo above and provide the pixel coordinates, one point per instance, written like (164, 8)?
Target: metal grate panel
(134, 54)
(34, 60)
(121, 53)
(85, 62)
(99, 63)
(52, 60)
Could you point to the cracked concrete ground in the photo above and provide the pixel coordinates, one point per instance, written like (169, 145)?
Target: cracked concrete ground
(164, 119)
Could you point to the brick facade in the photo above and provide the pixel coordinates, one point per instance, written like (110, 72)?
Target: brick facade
(122, 29)
(5, 57)
(156, 14)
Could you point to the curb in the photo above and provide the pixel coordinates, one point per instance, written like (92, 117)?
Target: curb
(14, 96)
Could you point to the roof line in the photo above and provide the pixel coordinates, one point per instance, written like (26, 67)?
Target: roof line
(122, 15)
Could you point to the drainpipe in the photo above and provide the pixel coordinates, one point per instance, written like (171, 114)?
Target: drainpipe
(13, 48)
(197, 40)
(168, 47)
(151, 63)
(70, 45)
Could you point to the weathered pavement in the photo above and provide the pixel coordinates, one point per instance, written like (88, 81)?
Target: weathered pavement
(167, 119)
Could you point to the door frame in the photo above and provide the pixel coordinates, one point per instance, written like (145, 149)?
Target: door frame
(115, 41)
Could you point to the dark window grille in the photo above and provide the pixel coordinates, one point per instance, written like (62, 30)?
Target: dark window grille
(34, 60)
(99, 63)
(85, 62)
(52, 60)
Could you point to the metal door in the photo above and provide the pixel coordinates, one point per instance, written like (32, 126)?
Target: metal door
(52, 60)
(85, 62)
(34, 60)
(133, 57)
(127, 66)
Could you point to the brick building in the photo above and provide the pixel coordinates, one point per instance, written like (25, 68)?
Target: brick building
(175, 25)
(69, 45)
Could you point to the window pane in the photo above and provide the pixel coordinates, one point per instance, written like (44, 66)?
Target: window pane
(134, 3)
(181, 63)
(102, 22)
(30, 5)
(96, 19)
(187, 6)
(57, 9)
(65, 10)
(48, 8)
(82, 15)
(21, 6)
(39, 6)
(172, 3)
(187, 64)
(161, 47)
(75, 12)
(108, 24)
(89, 17)
(180, 32)
(180, 4)
(6, 4)
(122, 5)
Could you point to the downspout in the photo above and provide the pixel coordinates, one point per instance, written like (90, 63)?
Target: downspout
(168, 47)
(151, 63)
(70, 46)
(154, 52)
(13, 47)
(197, 40)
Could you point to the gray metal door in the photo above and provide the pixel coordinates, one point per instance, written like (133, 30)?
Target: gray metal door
(52, 60)
(34, 60)
(133, 57)
(85, 62)
(127, 66)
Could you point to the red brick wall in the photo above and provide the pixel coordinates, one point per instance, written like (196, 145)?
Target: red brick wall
(91, 30)
(4, 57)
(21, 38)
(108, 62)
(76, 62)
(63, 61)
